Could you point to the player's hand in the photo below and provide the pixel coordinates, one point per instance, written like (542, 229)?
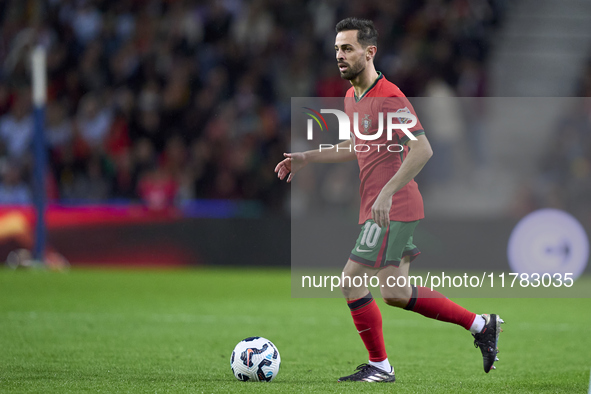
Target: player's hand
(292, 163)
(380, 210)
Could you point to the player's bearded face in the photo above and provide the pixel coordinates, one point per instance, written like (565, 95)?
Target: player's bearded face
(352, 70)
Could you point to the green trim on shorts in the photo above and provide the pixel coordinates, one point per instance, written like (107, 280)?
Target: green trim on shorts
(378, 247)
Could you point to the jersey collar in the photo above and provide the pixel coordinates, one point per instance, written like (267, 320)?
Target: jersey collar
(357, 99)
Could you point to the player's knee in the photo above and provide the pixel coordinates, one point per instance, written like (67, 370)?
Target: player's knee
(350, 291)
(397, 302)
(346, 289)
(397, 296)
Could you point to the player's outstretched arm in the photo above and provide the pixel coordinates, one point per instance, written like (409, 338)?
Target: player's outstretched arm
(294, 162)
(420, 152)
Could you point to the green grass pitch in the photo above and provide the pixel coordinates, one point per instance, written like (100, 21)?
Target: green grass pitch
(173, 331)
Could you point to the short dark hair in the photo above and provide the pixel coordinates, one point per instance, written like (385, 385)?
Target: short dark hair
(366, 32)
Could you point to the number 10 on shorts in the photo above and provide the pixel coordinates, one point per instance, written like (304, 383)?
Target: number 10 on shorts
(371, 235)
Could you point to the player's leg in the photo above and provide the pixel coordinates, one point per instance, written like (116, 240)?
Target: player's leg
(397, 291)
(353, 288)
(394, 284)
(484, 328)
(367, 258)
(364, 310)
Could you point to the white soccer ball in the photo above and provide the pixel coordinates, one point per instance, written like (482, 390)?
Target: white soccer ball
(255, 358)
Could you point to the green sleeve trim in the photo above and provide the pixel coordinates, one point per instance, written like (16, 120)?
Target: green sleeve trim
(416, 133)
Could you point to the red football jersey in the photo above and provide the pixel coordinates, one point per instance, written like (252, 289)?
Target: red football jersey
(379, 159)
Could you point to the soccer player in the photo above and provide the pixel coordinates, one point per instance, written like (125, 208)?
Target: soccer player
(391, 207)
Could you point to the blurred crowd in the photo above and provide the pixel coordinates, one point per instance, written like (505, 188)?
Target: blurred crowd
(165, 101)
(563, 180)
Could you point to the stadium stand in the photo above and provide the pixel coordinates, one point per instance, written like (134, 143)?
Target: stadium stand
(190, 99)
